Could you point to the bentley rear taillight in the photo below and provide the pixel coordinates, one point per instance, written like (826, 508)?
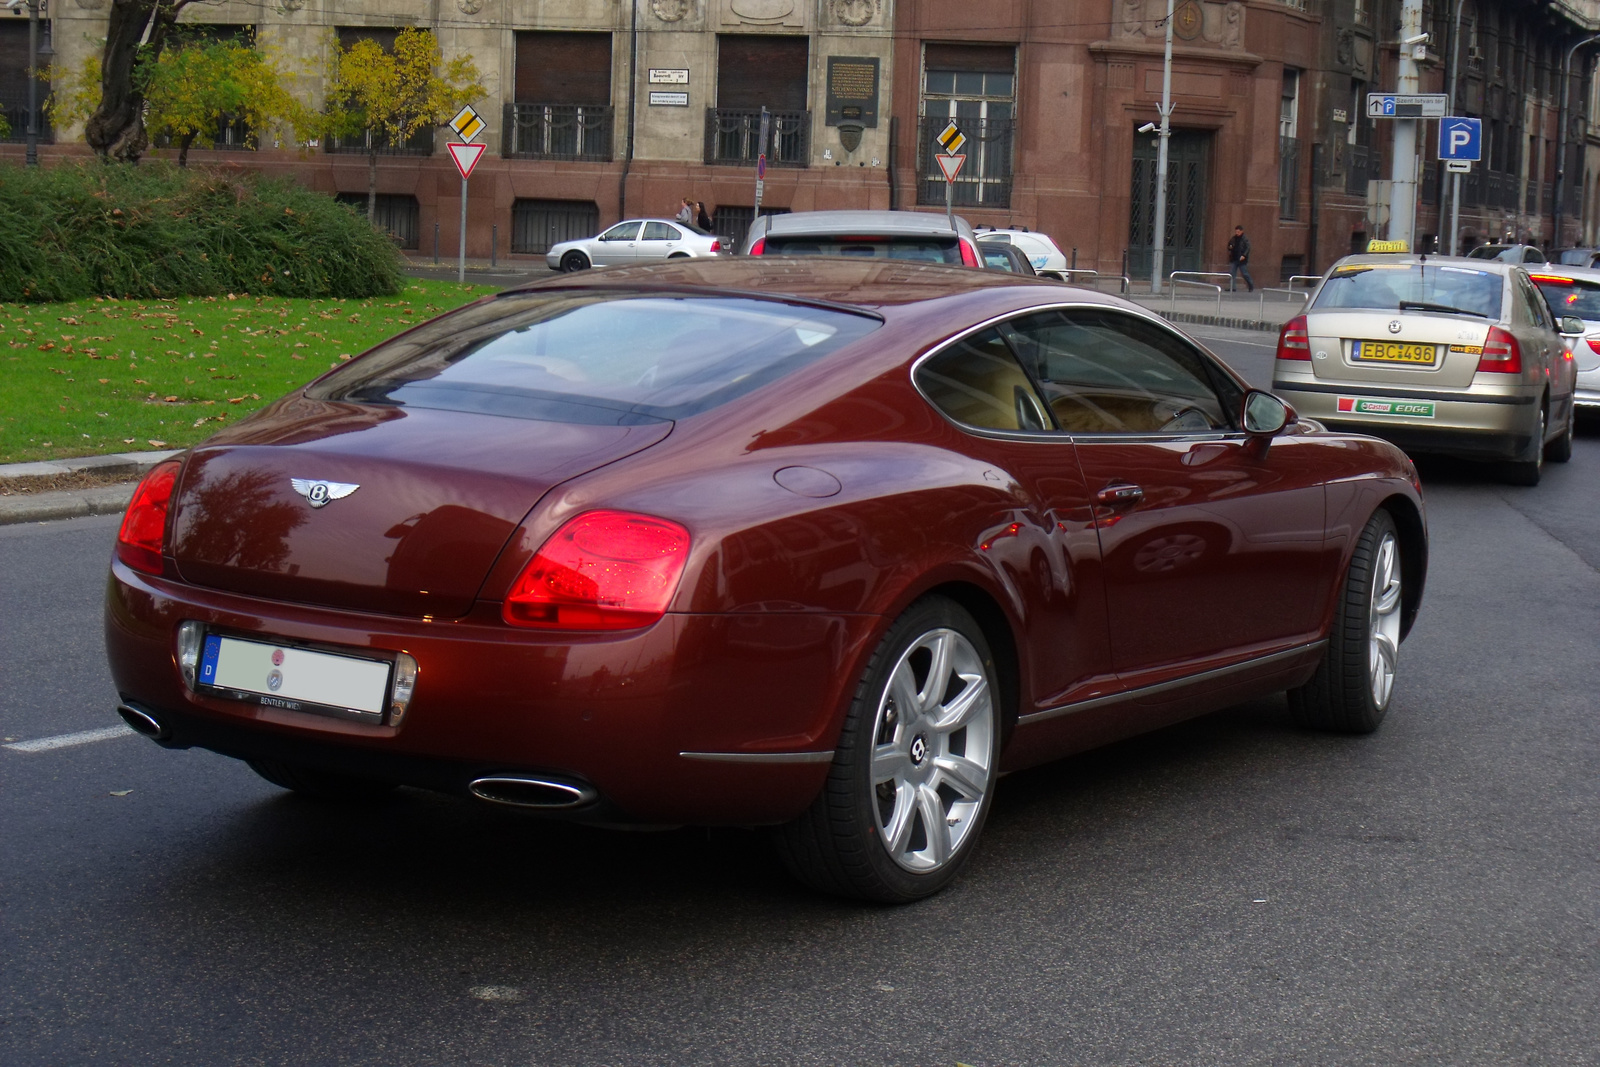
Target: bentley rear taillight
(1501, 353)
(1294, 340)
(144, 525)
(604, 570)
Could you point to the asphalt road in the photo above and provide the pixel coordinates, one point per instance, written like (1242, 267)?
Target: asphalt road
(1229, 891)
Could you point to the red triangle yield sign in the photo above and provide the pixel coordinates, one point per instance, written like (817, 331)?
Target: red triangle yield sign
(951, 165)
(466, 156)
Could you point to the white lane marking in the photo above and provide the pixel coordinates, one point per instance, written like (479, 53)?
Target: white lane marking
(1234, 341)
(84, 737)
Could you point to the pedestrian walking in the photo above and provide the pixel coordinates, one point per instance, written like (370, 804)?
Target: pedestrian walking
(686, 212)
(702, 220)
(1239, 259)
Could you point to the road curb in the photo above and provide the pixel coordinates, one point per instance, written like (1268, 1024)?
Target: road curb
(65, 504)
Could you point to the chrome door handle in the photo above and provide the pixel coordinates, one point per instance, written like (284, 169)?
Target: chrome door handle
(1120, 493)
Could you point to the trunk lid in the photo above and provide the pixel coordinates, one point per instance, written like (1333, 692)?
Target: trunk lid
(439, 494)
(1456, 342)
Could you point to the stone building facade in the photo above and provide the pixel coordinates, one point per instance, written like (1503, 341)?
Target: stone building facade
(600, 109)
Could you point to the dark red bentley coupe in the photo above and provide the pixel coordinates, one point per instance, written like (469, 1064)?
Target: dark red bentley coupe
(819, 544)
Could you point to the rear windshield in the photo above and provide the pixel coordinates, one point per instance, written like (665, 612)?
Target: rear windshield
(919, 249)
(1413, 287)
(595, 356)
(1570, 296)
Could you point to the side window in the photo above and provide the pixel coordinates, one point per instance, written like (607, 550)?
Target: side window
(1110, 372)
(622, 231)
(979, 383)
(1532, 302)
(660, 231)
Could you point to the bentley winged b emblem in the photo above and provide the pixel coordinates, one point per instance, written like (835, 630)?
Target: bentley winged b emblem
(319, 493)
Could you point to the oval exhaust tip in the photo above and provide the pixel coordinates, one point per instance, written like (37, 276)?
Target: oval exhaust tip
(524, 792)
(142, 722)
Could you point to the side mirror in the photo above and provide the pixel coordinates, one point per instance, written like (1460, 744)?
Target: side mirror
(1572, 326)
(1265, 415)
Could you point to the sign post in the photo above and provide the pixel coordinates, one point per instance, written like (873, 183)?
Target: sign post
(467, 124)
(951, 139)
(1460, 146)
(761, 159)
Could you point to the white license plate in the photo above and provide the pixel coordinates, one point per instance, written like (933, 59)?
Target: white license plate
(298, 679)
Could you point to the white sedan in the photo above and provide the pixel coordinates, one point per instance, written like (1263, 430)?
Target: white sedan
(633, 241)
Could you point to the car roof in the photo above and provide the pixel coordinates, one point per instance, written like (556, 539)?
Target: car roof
(1564, 270)
(851, 222)
(1379, 259)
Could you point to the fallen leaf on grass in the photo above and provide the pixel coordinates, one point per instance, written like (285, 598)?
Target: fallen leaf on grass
(156, 444)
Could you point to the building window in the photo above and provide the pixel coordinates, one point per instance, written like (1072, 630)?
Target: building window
(1289, 147)
(538, 224)
(974, 86)
(395, 214)
(1359, 12)
(755, 72)
(562, 98)
(1361, 166)
(14, 80)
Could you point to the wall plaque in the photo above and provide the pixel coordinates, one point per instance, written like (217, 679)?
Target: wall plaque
(668, 77)
(659, 99)
(853, 91)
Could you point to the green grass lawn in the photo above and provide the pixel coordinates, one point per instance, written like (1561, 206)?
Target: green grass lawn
(87, 377)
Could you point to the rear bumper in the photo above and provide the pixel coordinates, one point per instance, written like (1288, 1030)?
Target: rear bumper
(757, 697)
(1492, 426)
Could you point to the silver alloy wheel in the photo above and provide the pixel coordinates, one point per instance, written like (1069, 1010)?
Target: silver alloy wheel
(933, 750)
(1383, 642)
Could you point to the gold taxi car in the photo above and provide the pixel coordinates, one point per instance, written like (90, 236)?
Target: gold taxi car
(1436, 354)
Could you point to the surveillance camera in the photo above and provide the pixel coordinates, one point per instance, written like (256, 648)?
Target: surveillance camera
(1148, 127)
(1420, 38)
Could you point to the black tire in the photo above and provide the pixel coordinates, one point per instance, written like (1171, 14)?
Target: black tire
(574, 261)
(1340, 696)
(840, 844)
(320, 785)
(1530, 468)
(1560, 449)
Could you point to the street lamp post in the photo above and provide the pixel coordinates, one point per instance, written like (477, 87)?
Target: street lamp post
(1561, 135)
(1403, 172)
(33, 76)
(1161, 159)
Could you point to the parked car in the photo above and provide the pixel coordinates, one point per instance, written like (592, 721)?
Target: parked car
(1576, 257)
(633, 241)
(1508, 253)
(1575, 291)
(815, 544)
(904, 235)
(1438, 354)
(1046, 257)
(1005, 257)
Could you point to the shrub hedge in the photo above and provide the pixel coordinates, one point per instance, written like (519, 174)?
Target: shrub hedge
(154, 230)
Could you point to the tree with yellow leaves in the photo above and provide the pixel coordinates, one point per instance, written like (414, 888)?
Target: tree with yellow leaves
(195, 88)
(390, 96)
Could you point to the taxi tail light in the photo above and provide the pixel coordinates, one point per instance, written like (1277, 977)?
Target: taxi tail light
(604, 570)
(969, 255)
(144, 525)
(759, 247)
(1501, 353)
(1294, 340)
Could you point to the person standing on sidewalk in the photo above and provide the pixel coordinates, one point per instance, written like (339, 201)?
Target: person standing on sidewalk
(1239, 259)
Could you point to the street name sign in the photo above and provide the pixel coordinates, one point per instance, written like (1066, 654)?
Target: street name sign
(1460, 138)
(467, 123)
(951, 165)
(951, 139)
(465, 157)
(1398, 106)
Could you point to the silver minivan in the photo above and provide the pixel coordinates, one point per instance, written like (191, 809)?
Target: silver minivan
(1437, 354)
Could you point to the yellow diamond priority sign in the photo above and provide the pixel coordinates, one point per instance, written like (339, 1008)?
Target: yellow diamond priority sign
(951, 139)
(467, 123)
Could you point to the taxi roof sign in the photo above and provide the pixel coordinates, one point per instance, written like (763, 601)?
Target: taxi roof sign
(1388, 246)
(467, 123)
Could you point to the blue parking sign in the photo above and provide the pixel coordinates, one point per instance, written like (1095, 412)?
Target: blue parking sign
(1460, 138)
